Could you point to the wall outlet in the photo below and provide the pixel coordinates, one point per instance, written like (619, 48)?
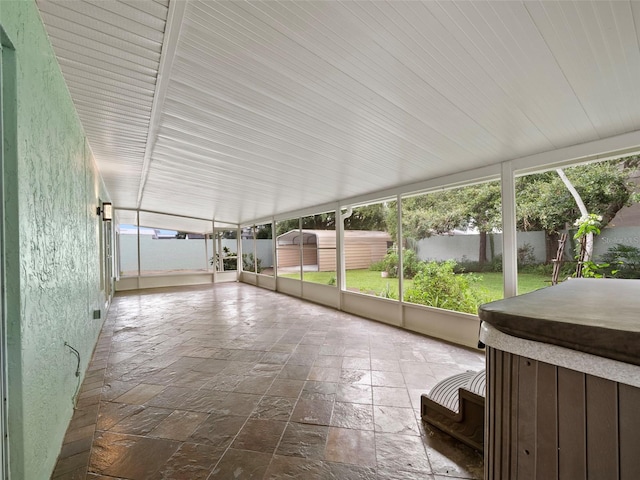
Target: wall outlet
(97, 314)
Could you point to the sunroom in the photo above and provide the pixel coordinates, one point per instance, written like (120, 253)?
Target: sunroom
(462, 136)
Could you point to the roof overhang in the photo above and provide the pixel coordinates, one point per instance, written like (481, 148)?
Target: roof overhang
(237, 111)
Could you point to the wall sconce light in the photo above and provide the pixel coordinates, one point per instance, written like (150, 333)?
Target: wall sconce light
(106, 211)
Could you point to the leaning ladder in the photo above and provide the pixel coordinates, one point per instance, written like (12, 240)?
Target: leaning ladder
(557, 262)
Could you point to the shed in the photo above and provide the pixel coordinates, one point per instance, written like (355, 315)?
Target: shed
(361, 248)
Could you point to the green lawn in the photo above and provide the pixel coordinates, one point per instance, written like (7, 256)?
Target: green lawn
(372, 283)
(527, 282)
(364, 281)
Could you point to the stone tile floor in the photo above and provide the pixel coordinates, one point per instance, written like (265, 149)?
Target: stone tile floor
(237, 382)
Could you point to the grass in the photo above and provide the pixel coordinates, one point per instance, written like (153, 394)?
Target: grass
(367, 281)
(372, 283)
(492, 284)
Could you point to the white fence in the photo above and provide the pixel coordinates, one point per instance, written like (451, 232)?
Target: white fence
(172, 254)
(190, 254)
(457, 247)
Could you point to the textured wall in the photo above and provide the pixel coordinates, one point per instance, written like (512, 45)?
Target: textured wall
(58, 250)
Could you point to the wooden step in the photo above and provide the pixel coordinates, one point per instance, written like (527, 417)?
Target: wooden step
(456, 406)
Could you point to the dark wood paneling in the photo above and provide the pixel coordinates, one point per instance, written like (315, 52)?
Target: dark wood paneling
(514, 408)
(500, 384)
(490, 414)
(629, 426)
(574, 426)
(572, 435)
(546, 421)
(504, 409)
(526, 421)
(602, 431)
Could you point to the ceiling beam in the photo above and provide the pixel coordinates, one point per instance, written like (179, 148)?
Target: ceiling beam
(167, 55)
(597, 150)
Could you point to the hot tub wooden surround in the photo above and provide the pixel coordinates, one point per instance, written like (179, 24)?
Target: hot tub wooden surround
(563, 382)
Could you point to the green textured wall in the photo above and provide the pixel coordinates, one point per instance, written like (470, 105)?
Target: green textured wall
(52, 249)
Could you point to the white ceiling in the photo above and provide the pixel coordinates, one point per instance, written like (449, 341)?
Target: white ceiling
(262, 108)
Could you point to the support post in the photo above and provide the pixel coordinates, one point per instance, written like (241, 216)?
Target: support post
(509, 234)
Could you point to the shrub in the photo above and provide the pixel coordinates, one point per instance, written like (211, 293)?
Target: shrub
(623, 262)
(377, 266)
(437, 285)
(495, 264)
(388, 292)
(526, 263)
(228, 262)
(410, 261)
(464, 265)
(248, 263)
(526, 255)
(390, 263)
(541, 269)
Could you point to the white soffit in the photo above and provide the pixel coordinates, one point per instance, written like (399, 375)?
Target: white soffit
(109, 53)
(271, 107)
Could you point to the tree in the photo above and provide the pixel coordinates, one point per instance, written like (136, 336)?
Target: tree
(474, 206)
(228, 234)
(483, 207)
(588, 237)
(369, 217)
(263, 231)
(322, 221)
(431, 214)
(544, 202)
(285, 226)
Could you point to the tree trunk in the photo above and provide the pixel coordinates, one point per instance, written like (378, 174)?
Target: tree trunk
(482, 254)
(583, 211)
(551, 245)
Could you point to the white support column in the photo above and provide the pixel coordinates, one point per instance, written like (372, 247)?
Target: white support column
(400, 258)
(301, 252)
(509, 235)
(239, 261)
(138, 227)
(214, 250)
(117, 258)
(255, 249)
(274, 250)
(206, 253)
(340, 261)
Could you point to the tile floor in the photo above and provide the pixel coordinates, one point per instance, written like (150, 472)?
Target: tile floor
(237, 382)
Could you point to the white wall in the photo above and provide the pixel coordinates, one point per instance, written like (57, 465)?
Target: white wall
(445, 247)
(184, 254)
(609, 237)
(264, 250)
(162, 254)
